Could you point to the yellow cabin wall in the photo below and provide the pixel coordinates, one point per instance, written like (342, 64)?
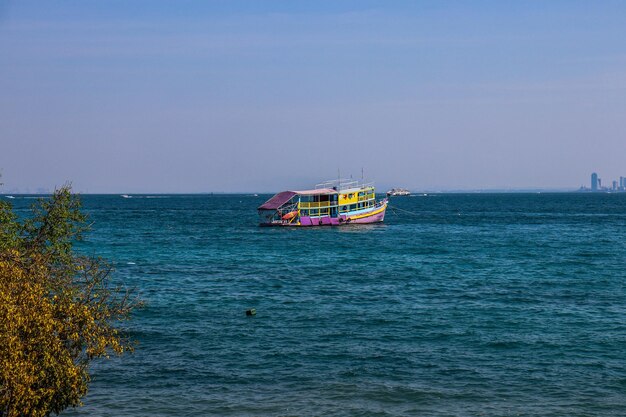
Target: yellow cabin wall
(344, 197)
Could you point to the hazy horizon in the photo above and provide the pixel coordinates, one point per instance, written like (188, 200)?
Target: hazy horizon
(379, 190)
(196, 97)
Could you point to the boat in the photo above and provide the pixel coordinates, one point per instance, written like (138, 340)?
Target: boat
(331, 203)
(398, 192)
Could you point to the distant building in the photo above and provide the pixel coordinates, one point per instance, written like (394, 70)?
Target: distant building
(621, 182)
(594, 182)
(614, 185)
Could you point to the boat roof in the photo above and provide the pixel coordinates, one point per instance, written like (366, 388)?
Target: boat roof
(284, 196)
(321, 191)
(345, 185)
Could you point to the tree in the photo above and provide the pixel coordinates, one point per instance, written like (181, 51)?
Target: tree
(58, 309)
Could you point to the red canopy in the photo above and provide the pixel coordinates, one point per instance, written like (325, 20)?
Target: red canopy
(277, 201)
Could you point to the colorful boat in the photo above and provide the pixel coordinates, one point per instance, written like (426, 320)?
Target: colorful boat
(332, 203)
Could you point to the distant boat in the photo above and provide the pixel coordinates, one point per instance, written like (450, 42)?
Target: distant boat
(398, 192)
(332, 203)
(9, 196)
(125, 196)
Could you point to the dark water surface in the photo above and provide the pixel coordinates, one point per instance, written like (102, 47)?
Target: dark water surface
(475, 305)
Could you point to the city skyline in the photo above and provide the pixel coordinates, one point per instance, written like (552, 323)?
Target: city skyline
(597, 185)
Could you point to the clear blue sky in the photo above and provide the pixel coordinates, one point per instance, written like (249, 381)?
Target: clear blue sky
(196, 96)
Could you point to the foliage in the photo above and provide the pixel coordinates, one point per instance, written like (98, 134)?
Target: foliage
(58, 310)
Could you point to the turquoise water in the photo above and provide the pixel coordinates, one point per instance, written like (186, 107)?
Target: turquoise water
(490, 305)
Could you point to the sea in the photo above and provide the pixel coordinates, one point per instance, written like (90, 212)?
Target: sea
(457, 305)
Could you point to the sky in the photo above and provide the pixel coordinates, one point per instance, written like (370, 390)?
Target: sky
(260, 96)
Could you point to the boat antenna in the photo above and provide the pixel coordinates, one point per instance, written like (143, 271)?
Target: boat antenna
(361, 173)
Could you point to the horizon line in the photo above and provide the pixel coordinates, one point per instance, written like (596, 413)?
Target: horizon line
(417, 191)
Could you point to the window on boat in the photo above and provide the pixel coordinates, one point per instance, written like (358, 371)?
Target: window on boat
(352, 207)
(315, 212)
(304, 212)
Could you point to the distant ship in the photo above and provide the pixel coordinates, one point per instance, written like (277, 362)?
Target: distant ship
(332, 203)
(398, 192)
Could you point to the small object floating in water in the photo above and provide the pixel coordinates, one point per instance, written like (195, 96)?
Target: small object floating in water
(130, 263)
(251, 312)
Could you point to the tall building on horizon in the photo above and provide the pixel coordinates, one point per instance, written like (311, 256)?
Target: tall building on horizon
(594, 182)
